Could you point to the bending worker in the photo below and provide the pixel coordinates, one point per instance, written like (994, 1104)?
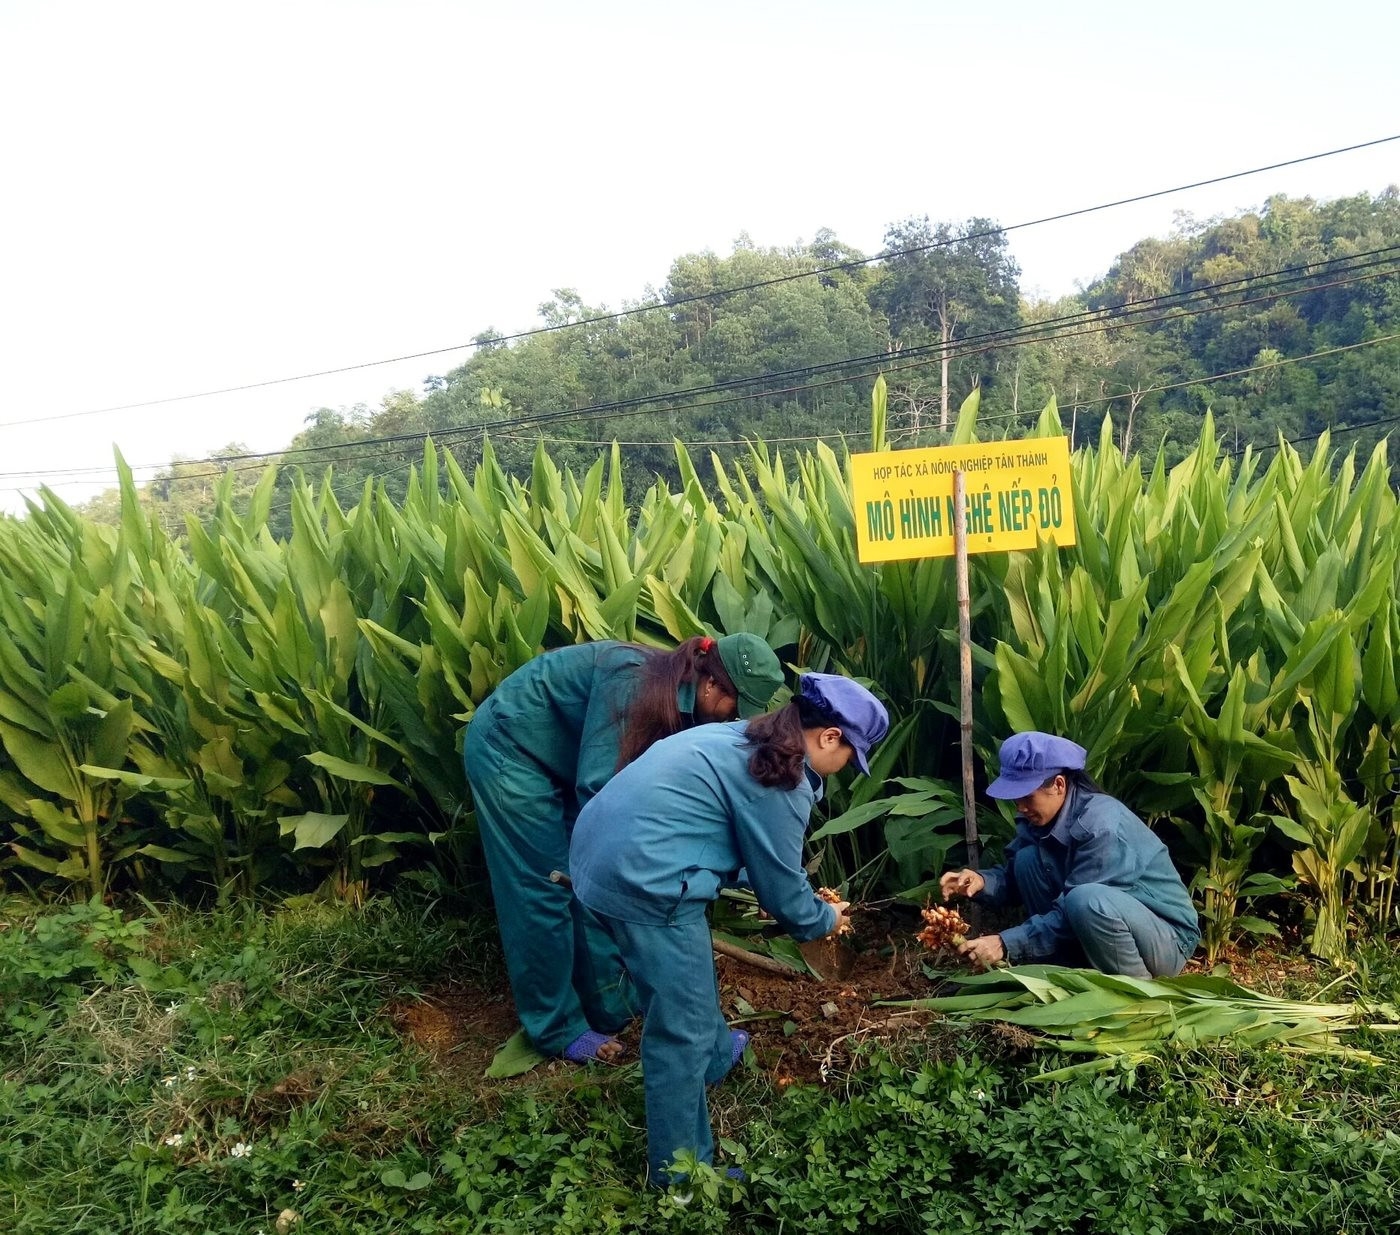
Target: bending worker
(1098, 885)
(539, 747)
(652, 850)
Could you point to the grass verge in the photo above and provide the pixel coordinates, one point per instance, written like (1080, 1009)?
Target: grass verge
(245, 1071)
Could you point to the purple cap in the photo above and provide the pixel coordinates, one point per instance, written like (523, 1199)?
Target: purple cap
(860, 716)
(1028, 760)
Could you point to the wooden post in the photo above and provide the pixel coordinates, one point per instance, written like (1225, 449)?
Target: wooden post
(965, 665)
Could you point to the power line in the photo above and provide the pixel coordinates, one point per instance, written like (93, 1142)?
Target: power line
(720, 293)
(353, 451)
(607, 410)
(992, 419)
(982, 420)
(1051, 330)
(1312, 437)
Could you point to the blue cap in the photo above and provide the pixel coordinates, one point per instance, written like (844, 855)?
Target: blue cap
(860, 716)
(1028, 760)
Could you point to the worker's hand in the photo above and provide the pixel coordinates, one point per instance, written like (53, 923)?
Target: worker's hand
(843, 919)
(984, 952)
(961, 883)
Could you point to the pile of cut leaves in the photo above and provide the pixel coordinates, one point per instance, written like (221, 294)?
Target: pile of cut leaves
(1129, 1020)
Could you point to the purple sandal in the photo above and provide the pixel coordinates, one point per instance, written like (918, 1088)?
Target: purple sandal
(584, 1048)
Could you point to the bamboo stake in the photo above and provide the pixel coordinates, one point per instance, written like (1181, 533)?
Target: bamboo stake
(965, 665)
(766, 963)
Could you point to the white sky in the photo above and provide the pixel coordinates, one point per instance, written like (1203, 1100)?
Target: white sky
(198, 195)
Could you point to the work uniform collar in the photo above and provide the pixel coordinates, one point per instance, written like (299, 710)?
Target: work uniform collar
(685, 701)
(815, 782)
(1069, 812)
(1059, 828)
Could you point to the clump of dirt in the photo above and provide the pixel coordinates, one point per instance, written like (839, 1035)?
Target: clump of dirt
(803, 1029)
(460, 1026)
(800, 1027)
(1283, 972)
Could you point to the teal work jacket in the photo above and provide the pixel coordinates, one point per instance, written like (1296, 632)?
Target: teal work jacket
(661, 838)
(564, 711)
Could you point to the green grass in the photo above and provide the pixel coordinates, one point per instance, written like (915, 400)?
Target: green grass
(170, 1071)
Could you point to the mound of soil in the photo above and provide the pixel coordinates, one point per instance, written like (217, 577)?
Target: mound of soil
(804, 1028)
(801, 1027)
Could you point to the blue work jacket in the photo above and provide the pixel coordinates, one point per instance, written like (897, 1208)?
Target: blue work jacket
(1094, 839)
(659, 840)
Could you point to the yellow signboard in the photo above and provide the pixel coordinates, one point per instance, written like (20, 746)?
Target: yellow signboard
(1018, 493)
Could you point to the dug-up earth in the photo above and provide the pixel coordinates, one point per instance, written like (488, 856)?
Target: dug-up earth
(804, 1029)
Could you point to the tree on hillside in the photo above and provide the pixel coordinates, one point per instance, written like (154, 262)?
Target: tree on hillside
(773, 350)
(958, 280)
(187, 488)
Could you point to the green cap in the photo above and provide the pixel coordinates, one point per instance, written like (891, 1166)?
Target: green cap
(754, 669)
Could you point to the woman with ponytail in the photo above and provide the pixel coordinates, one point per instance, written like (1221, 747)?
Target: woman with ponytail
(537, 750)
(656, 844)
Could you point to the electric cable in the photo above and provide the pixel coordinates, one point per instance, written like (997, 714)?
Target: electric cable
(1096, 321)
(719, 293)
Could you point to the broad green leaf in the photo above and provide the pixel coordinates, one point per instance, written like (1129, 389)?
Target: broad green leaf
(515, 1056)
(44, 763)
(345, 770)
(313, 830)
(57, 824)
(68, 702)
(136, 780)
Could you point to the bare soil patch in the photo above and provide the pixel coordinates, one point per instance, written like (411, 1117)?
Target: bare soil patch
(803, 1029)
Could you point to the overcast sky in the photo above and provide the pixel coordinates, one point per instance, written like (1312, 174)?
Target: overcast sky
(197, 195)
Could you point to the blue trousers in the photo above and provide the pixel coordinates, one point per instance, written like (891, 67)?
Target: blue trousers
(1113, 931)
(565, 971)
(685, 1040)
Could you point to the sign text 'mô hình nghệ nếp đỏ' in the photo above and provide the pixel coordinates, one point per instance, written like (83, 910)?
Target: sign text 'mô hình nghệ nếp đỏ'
(1017, 494)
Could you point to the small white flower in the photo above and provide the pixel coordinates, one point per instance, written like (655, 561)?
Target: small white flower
(175, 1140)
(241, 1150)
(190, 1072)
(298, 1185)
(169, 1081)
(173, 1008)
(980, 1095)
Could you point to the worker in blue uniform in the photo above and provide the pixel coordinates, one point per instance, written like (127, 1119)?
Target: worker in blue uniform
(1099, 886)
(652, 849)
(538, 748)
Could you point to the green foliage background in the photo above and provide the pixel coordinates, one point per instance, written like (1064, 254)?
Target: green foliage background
(238, 711)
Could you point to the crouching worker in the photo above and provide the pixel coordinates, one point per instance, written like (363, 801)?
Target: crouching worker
(652, 849)
(1098, 885)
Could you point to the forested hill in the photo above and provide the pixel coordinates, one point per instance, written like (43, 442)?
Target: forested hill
(1282, 321)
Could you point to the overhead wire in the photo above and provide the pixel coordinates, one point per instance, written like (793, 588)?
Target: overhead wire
(1149, 312)
(981, 420)
(993, 418)
(415, 450)
(719, 293)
